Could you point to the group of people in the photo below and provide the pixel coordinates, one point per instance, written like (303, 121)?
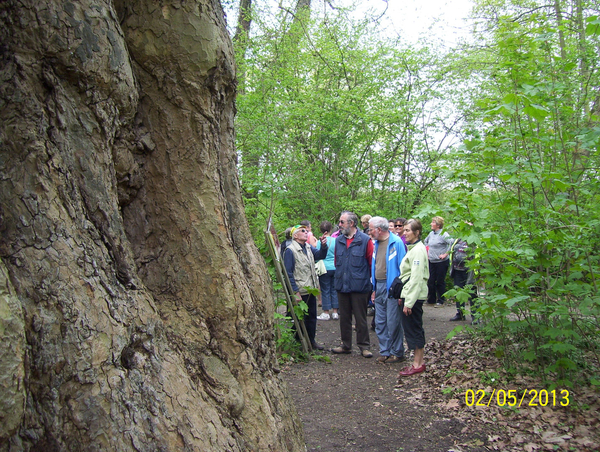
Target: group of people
(443, 253)
(387, 263)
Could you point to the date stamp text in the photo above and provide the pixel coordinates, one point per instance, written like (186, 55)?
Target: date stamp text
(512, 398)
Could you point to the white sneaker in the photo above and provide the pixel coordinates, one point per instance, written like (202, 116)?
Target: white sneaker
(323, 316)
(335, 316)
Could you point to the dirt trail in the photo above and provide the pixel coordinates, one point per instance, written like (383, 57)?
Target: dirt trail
(355, 404)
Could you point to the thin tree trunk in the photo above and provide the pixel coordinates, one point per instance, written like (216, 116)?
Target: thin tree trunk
(559, 25)
(244, 22)
(241, 40)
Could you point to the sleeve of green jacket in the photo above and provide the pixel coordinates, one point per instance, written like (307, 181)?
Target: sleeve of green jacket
(416, 286)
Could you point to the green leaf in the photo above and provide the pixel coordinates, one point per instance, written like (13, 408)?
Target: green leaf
(553, 333)
(536, 111)
(455, 331)
(312, 290)
(592, 27)
(512, 301)
(565, 363)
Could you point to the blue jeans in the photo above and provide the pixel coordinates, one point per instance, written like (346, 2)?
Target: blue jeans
(388, 322)
(329, 299)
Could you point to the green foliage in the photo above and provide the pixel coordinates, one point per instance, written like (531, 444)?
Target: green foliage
(332, 117)
(489, 378)
(528, 179)
(448, 391)
(321, 358)
(287, 343)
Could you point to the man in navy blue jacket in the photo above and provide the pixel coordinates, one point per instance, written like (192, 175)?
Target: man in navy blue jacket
(353, 258)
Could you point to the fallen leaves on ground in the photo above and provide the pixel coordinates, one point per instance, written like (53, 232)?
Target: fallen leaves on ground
(459, 366)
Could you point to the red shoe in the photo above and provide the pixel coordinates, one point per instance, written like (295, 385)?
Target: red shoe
(411, 371)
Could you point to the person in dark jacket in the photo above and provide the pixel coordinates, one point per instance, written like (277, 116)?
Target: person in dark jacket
(462, 276)
(353, 257)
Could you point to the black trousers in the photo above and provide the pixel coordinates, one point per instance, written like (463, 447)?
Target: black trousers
(354, 304)
(437, 281)
(460, 278)
(413, 326)
(310, 319)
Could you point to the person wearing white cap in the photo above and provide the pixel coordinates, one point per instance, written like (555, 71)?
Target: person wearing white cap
(299, 261)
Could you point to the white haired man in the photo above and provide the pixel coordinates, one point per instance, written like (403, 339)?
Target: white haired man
(387, 256)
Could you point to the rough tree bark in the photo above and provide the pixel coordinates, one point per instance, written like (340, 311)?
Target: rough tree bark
(135, 311)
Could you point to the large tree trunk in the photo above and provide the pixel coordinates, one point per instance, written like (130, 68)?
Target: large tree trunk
(136, 311)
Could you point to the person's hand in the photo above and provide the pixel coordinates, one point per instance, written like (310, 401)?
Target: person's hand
(407, 311)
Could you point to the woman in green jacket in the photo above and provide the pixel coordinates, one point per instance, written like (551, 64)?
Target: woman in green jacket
(414, 269)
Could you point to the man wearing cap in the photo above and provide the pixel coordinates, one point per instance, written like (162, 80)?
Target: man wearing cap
(353, 257)
(299, 261)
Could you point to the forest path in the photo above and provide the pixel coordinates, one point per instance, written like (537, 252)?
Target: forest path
(355, 404)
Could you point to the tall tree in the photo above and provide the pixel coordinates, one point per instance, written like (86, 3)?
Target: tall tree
(136, 310)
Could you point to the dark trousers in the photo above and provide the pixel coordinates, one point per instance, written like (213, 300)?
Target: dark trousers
(310, 319)
(460, 278)
(437, 281)
(413, 326)
(354, 304)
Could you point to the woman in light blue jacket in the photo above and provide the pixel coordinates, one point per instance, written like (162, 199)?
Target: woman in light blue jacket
(329, 300)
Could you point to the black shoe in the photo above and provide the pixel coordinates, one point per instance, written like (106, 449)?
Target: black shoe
(317, 346)
(457, 317)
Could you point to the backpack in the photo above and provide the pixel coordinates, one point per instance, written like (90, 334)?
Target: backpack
(458, 253)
